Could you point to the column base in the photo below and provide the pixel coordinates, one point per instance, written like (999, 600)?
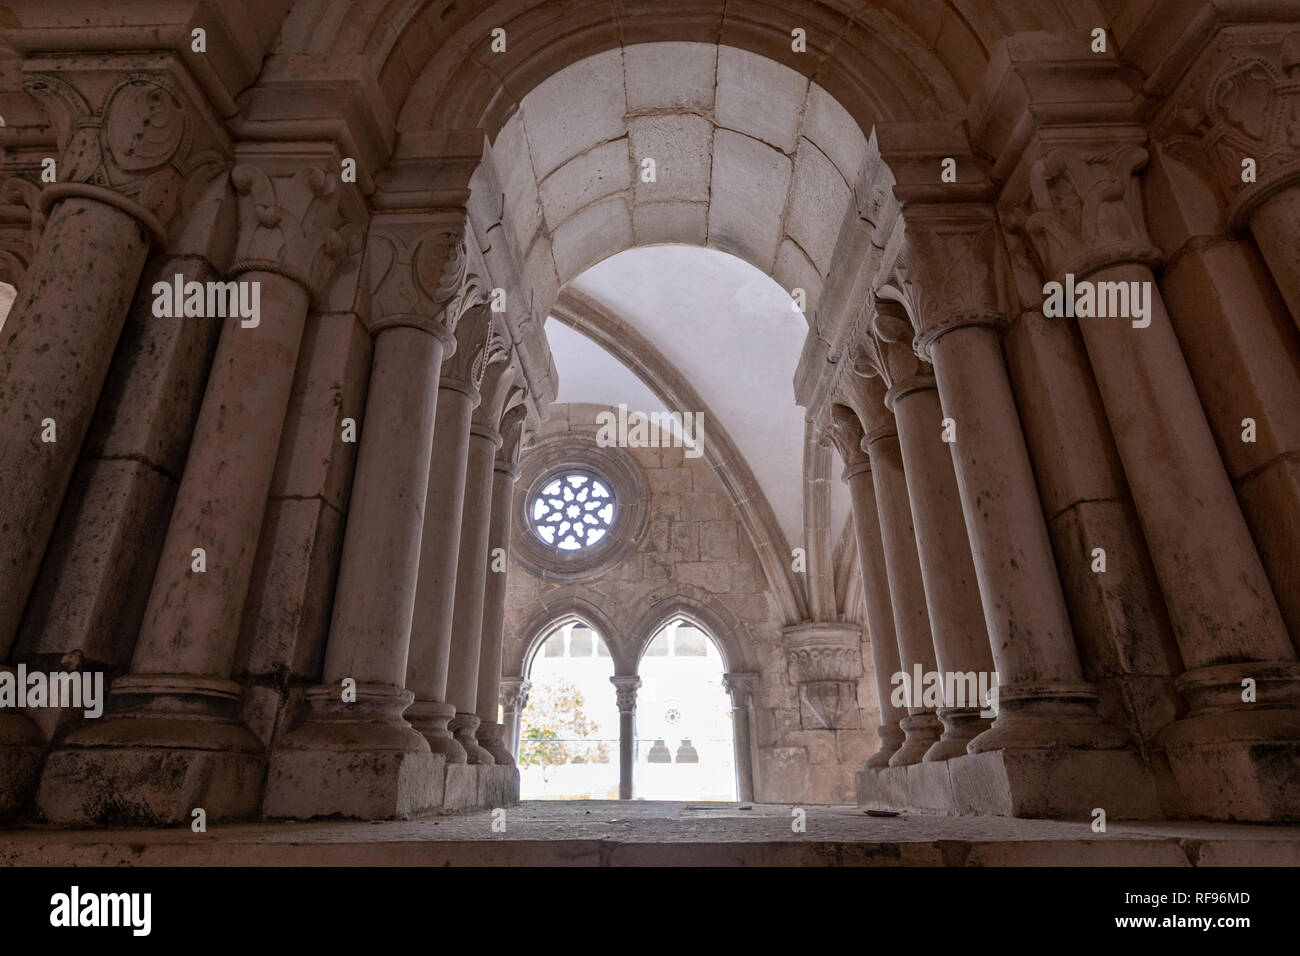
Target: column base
(431, 718)
(1058, 785)
(21, 747)
(961, 725)
(891, 738)
(358, 760)
(1234, 760)
(920, 731)
(146, 770)
(491, 737)
(1051, 716)
(463, 728)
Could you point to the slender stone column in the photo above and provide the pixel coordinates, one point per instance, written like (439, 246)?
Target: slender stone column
(1225, 617)
(961, 643)
(355, 755)
(126, 143)
(625, 689)
(435, 596)
(472, 563)
(921, 727)
(178, 699)
(491, 734)
(514, 698)
(846, 432)
(740, 686)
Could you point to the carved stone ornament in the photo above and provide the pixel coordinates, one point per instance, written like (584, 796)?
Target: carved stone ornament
(1240, 101)
(418, 277)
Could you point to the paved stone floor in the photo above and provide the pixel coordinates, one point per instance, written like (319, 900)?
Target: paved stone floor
(609, 833)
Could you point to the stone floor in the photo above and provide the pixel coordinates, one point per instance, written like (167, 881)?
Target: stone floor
(609, 833)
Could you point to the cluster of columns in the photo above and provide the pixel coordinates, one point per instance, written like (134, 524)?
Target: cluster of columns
(961, 572)
(418, 607)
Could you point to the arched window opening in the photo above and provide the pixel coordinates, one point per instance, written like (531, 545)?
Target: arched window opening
(685, 742)
(568, 737)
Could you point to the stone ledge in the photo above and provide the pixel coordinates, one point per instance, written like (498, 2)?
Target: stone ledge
(1059, 784)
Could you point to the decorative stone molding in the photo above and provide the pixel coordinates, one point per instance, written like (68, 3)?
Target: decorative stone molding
(418, 275)
(625, 689)
(1085, 206)
(825, 661)
(624, 478)
(128, 138)
(497, 375)
(1241, 100)
(949, 273)
(288, 224)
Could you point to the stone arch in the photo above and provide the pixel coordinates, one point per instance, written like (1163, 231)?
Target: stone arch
(701, 610)
(575, 604)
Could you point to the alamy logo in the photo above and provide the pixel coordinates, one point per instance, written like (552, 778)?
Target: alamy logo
(74, 908)
(950, 689)
(655, 430)
(221, 300)
(1099, 300)
(74, 689)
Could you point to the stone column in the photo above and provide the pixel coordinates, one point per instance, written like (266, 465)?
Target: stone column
(355, 755)
(472, 562)
(514, 698)
(740, 685)
(625, 689)
(846, 432)
(1044, 704)
(435, 595)
(178, 701)
(866, 395)
(961, 643)
(1224, 614)
(126, 144)
(491, 734)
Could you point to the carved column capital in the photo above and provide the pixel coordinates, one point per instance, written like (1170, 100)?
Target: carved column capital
(625, 689)
(1240, 100)
(844, 431)
(289, 223)
(948, 275)
(131, 138)
(513, 430)
(416, 266)
(476, 342)
(1084, 204)
(740, 685)
(825, 661)
(514, 693)
(862, 389)
(497, 379)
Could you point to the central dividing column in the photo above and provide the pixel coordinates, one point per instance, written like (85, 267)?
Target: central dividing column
(435, 596)
(625, 689)
(740, 686)
(491, 733)
(514, 698)
(355, 755)
(846, 433)
(472, 562)
(173, 741)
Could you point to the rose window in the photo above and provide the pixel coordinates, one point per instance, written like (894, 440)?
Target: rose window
(572, 511)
